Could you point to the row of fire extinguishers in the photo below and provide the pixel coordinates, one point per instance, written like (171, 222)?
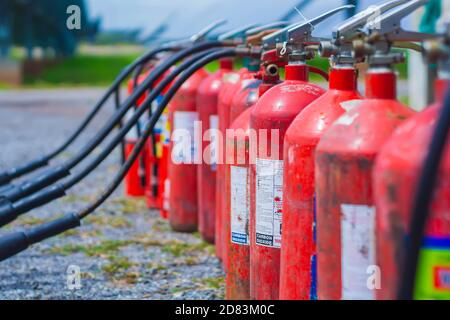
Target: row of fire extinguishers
(302, 225)
(309, 196)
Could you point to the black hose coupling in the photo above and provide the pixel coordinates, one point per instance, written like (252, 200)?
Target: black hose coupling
(33, 185)
(13, 243)
(11, 211)
(9, 175)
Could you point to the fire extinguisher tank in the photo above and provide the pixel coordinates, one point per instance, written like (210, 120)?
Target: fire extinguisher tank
(236, 210)
(207, 101)
(345, 206)
(298, 253)
(270, 118)
(395, 178)
(236, 222)
(182, 168)
(230, 85)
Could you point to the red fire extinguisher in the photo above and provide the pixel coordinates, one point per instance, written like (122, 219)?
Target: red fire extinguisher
(207, 100)
(298, 279)
(236, 214)
(182, 170)
(396, 176)
(345, 159)
(237, 220)
(188, 91)
(298, 254)
(230, 85)
(137, 178)
(236, 181)
(275, 111)
(270, 118)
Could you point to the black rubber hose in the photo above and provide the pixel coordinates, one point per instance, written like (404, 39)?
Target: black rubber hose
(13, 173)
(135, 118)
(422, 202)
(10, 211)
(120, 125)
(151, 124)
(17, 242)
(148, 82)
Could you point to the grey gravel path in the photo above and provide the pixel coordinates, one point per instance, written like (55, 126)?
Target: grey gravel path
(124, 251)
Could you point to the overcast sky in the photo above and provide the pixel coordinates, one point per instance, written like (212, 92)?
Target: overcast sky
(187, 16)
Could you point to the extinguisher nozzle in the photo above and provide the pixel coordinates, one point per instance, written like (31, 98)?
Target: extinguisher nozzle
(12, 244)
(10, 211)
(17, 242)
(9, 175)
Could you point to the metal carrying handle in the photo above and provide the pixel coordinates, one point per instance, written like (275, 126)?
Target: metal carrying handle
(352, 26)
(300, 31)
(388, 24)
(280, 36)
(303, 31)
(269, 26)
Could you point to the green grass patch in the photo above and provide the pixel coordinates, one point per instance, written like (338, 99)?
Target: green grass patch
(178, 248)
(156, 266)
(104, 248)
(73, 198)
(31, 221)
(130, 205)
(161, 225)
(213, 283)
(110, 221)
(82, 70)
(117, 264)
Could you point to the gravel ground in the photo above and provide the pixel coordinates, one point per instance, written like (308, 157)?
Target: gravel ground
(123, 251)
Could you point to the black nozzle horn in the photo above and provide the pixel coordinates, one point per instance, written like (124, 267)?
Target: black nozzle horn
(14, 243)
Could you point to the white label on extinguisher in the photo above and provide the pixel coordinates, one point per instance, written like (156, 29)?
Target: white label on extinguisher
(214, 127)
(239, 205)
(358, 250)
(185, 147)
(269, 202)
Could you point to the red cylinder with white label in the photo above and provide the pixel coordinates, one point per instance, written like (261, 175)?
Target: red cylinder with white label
(396, 177)
(270, 118)
(345, 156)
(182, 168)
(298, 253)
(237, 188)
(231, 83)
(207, 100)
(236, 212)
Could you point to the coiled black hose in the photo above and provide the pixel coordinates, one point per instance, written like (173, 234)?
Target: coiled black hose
(56, 173)
(16, 242)
(10, 211)
(14, 173)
